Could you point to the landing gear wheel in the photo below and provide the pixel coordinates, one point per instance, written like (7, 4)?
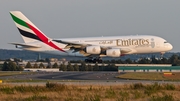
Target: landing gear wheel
(97, 60)
(89, 60)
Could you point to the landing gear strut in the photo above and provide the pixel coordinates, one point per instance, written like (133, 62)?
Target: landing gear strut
(162, 54)
(95, 60)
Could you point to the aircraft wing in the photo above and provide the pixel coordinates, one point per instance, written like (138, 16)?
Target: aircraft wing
(80, 46)
(72, 44)
(25, 45)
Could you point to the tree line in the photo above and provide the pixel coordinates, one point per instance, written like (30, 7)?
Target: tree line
(13, 66)
(87, 67)
(82, 66)
(174, 60)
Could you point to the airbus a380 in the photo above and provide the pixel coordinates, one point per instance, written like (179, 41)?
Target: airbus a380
(92, 47)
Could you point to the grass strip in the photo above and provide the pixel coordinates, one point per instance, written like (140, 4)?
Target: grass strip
(149, 76)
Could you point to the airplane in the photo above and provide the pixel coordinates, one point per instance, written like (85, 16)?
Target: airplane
(92, 47)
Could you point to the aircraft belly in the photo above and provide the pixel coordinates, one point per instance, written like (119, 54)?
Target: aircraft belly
(55, 52)
(74, 54)
(143, 50)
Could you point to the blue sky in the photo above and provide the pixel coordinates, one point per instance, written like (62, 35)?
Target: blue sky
(89, 18)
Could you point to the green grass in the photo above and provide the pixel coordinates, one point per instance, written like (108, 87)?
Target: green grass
(11, 73)
(4, 80)
(22, 81)
(149, 76)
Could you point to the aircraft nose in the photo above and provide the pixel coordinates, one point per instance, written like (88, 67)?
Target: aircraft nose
(170, 46)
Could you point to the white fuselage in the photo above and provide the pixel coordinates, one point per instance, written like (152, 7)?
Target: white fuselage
(136, 44)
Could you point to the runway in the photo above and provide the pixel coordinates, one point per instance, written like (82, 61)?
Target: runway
(67, 76)
(79, 78)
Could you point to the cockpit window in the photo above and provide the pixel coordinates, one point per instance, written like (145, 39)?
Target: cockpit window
(165, 42)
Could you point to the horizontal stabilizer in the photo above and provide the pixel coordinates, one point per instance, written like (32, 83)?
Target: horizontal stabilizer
(26, 45)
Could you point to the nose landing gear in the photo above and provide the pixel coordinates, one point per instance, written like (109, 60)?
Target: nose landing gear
(162, 54)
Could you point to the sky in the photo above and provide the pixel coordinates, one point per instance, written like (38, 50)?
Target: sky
(91, 18)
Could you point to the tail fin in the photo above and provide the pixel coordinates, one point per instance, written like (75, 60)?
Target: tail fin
(29, 32)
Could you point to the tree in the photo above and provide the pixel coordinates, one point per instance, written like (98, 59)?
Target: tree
(164, 60)
(119, 61)
(1, 66)
(128, 61)
(96, 67)
(12, 66)
(70, 67)
(76, 67)
(90, 67)
(113, 61)
(86, 67)
(20, 68)
(174, 59)
(144, 61)
(28, 65)
(83, 65)
(41, 65)
(62, 67)
(5, 66)
(35, 65)
(110, 67)
(154, 60)
(113, 67)
(55, 65)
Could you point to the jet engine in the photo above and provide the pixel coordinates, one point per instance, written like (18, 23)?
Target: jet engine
(113, 52)
(93, 49)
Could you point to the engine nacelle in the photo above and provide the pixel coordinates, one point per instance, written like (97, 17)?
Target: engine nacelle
(113, 52)
(93, 49)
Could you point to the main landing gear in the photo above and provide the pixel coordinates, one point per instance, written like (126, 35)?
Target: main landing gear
(95, 60)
